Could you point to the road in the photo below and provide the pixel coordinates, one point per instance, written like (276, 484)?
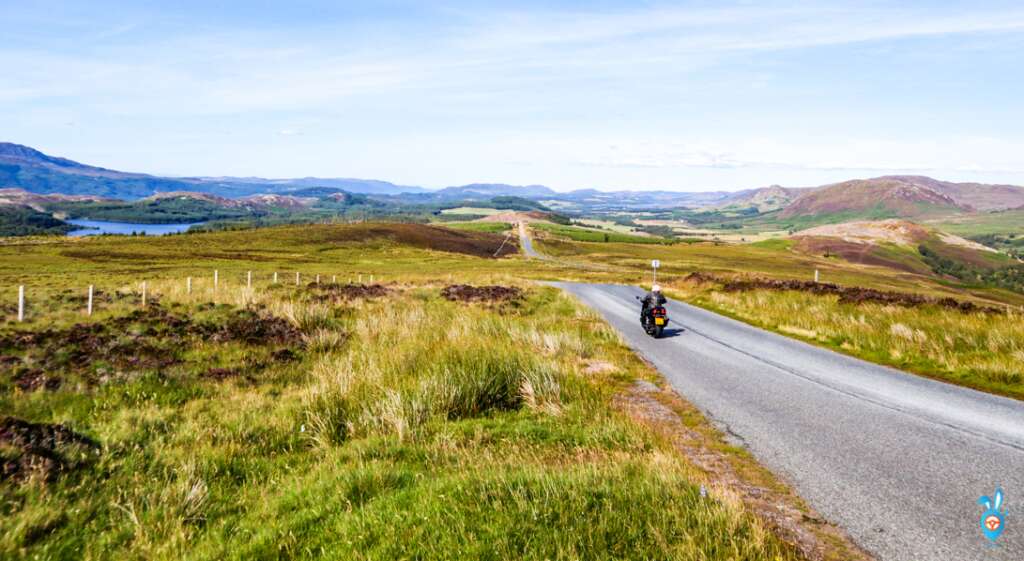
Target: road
(526, 243)
(897, 460)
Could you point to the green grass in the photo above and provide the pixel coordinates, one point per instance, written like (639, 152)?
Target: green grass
(406, 427)
(603, 236)
(1005, 222)
(492, 227)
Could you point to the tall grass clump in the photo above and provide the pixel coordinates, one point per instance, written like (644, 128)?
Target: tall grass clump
(425, 361)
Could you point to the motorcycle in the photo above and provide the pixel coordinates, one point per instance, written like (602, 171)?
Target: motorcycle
(654, 320)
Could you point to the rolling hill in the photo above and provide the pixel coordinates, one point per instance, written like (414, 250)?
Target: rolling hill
(765, 199)
(910, 247)
(979, 196)
(872, 199)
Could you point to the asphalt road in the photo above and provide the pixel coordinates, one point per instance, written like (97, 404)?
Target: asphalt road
(897, 460)
(526, 243)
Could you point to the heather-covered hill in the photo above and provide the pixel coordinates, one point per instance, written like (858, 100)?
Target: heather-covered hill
(872, 199)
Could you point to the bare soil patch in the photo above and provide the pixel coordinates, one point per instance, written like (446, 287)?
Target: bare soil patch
(28, 448)
(492, 293)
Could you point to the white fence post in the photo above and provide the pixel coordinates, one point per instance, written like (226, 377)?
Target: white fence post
(275, 277)
(334, 279)
(21, 302)
(188, 285)
(296, 278)
(817, 275)
(318, 278)
(248, 279)
(88, 306)
(371, 279)
(143, 294)
(216, 279)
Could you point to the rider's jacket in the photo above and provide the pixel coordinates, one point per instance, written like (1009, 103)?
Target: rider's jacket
(653, 299)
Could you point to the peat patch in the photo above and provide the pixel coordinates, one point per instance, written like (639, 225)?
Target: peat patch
(334, 292)
(492, 293)
(28, 448)
(150, 339)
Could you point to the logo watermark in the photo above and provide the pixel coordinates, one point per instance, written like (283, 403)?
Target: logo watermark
(993, 520)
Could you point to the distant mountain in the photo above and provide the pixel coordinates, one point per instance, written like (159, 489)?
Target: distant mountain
(594, 199)
(31, 170)
(883, 197)
(363, 186)
(478, 191)
(979, 196)
(765, 199)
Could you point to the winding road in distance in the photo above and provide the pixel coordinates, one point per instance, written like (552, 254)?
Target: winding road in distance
(897, 460)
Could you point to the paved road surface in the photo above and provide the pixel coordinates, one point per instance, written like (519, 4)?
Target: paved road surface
(527, 243)
(897, 460)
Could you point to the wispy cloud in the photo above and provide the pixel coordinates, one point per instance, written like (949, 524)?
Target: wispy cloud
(447, 89)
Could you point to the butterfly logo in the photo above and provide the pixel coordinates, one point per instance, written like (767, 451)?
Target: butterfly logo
(993, 520)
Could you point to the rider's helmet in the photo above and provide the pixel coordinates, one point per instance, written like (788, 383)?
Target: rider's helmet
(656, 288)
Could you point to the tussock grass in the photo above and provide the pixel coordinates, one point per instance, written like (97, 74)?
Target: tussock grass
(407, 427)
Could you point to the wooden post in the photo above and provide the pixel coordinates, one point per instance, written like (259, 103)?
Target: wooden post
(143, 294)
(216, 279)
(318, 278)
(248, 279)
(371, 279)
(275, 277)
(88, 305)
(334, 279)
(188, 285)
(296, 278)
(21, 303)
(816, 275)
(360, 279)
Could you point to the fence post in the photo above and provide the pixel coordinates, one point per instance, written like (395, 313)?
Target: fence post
(143, 294)
(360, 279)
(816, 275)
(318, 278)
(248, 279)
(216, 279)
(188, 285)
(296, 278)
(371, 279)
(88, 307)
(275, 277)
(21, 302)
(334, 279)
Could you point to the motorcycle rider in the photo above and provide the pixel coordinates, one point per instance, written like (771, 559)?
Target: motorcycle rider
(652, 299)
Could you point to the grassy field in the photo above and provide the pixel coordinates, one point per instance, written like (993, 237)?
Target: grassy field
(293, 421)
(592, 235)
(975, 349)
(1006, 222)
(492, 227)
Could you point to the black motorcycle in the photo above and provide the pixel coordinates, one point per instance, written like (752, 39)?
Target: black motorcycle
(653, 320)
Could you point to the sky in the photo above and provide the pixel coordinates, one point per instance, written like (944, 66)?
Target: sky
(687, 96)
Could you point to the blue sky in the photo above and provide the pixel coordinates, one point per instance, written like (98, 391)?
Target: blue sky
(687, 96)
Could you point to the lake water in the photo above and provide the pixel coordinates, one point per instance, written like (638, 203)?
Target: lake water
(125, 228)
